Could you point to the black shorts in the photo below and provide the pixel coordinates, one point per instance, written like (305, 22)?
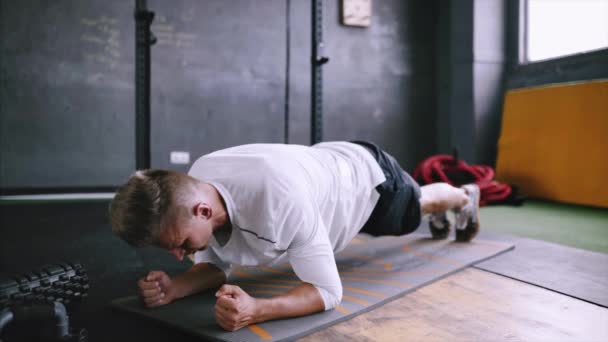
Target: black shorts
(398, 209)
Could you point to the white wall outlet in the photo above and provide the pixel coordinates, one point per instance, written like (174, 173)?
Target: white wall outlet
(356, 12)
(179, 157)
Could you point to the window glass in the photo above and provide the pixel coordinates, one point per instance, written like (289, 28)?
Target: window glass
(564, 27)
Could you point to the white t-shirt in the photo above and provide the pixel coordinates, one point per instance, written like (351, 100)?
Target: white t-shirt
(291, 202)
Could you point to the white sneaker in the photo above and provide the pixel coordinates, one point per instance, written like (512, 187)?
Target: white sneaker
(439, 225)
(467, 217)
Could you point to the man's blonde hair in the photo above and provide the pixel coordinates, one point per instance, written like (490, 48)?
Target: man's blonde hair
(140, 206)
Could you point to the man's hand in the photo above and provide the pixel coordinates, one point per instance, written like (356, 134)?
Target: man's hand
(156, 289)
(234, 308)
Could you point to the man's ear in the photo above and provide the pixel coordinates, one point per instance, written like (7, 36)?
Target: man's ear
(203, 210)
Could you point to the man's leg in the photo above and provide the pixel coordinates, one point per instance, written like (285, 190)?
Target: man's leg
(440, 197)
(437, 198)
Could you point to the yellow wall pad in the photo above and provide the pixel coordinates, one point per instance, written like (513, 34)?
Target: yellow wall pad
(554, 142)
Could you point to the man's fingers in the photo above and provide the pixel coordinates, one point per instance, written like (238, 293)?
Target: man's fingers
(229, 290)
(159, 302)
(153, 299)
(151, 292)
(227, 303)
(154, 275)
(222, 324)
(224, 310)
(148, 285)
(221, 317)
(226, 321)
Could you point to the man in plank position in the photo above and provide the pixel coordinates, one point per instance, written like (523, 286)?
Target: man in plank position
(261, 203)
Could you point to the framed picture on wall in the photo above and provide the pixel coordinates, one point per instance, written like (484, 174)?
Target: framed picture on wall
(356, 12)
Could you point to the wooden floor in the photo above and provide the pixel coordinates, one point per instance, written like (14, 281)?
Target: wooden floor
(475, 305)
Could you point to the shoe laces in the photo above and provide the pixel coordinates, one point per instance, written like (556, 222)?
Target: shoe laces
(438, 219)
(469, 211)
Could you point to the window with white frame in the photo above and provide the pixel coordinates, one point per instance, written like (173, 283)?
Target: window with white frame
(555, 28)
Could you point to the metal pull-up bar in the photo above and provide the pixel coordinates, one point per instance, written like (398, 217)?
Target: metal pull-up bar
(143, 40)
(317, 61)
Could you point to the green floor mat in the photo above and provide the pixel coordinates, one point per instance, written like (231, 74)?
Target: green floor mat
(373, 271)
(570, 225)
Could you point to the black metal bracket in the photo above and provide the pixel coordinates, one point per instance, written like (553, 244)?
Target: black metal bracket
(143, 40)
(317, 61)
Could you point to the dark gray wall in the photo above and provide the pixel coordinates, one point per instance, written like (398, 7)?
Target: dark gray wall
(299, 71)
(218, 79)
(454, 92)
(379, 83)
(471, 62)
(489, 66)
(66, 93)
(218, 76)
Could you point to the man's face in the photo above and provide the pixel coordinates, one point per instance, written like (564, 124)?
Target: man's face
(186, 235)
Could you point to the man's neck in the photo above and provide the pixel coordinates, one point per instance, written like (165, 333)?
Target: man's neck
(220, 215)
(222, 229)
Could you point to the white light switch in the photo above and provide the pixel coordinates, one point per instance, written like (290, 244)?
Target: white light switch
(179, 157)
(356, 12)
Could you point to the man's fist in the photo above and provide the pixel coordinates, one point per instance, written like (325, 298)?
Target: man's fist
(156, 289)
(234, 308)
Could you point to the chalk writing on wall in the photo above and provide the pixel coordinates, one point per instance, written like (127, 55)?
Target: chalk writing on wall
(167, 35)
(101, 40)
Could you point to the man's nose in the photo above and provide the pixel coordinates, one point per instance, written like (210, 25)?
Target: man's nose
(178, 253)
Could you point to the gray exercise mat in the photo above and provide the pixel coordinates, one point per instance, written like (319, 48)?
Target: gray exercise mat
(373, 271)
(571, 271)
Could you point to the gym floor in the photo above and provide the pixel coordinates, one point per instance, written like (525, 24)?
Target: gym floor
(570, 225)
(474, 304)
(91, 91)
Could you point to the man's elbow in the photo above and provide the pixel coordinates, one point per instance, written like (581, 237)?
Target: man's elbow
(331, 297)
(336, 301)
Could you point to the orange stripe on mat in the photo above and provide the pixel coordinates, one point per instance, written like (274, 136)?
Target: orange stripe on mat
(356, 273)
(386, 265)
(272, 270)
(379, 281)
(342, 309)
(362, 268)
(429, 256)
(261, 332)
(356, 300)
(365, 292)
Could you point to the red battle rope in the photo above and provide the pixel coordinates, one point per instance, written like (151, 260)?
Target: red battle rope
(447, 168)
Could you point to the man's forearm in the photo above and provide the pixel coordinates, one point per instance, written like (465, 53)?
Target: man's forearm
(302, 300)
(198, 278)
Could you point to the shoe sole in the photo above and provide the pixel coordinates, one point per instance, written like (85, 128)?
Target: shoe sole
(440, 233)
